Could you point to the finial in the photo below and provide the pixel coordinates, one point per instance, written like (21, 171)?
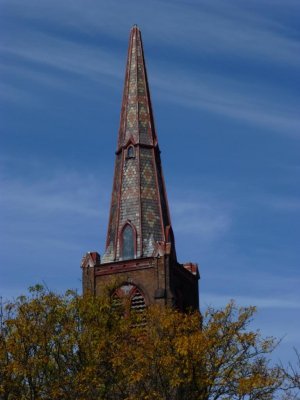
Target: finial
(135, 26)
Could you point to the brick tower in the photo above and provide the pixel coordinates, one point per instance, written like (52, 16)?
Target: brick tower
(140, 249)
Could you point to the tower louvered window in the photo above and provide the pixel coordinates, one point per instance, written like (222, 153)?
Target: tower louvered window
(128, 298)
(138, 301)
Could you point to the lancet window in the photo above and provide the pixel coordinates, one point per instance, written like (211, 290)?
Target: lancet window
(130, 152)
(127, 242)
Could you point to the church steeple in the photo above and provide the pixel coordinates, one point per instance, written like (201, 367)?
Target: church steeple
(140, 258)
(139, 214)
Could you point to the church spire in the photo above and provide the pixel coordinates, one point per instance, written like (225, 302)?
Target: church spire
(136, 115)
(139, 214)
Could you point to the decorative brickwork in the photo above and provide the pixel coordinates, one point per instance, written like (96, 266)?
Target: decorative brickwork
(139, 204)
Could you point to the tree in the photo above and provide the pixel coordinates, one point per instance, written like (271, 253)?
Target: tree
(292, 378)
(73, 347)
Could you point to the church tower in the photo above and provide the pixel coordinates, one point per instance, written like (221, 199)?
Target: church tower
(140, 248)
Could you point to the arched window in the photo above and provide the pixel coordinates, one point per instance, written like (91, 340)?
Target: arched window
(130, 152)
(127, 243)
(127, 298)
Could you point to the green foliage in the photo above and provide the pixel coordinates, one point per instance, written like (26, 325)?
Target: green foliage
(73, 347)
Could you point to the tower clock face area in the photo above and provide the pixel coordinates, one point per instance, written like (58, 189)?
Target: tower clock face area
(140, 249)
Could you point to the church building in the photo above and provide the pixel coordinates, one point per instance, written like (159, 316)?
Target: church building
(140, 253)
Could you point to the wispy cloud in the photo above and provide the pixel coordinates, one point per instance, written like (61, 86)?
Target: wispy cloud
(216, 27)
(49, 219)
(232, 99)
(211, 93)
(67, 193)
(289, 204)
(216, 300)
(278, 202)
(84, 60)
(200, 216)
(48, 211)
(12, 94)
(209, 28)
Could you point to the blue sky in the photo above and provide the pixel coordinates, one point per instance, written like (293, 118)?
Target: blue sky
(224, 79)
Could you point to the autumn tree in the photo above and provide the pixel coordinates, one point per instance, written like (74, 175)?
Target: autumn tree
(73, 347)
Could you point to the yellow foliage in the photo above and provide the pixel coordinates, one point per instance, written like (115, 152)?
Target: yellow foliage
(73, 347)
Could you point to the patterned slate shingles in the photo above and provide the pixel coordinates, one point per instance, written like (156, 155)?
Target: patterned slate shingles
(138, 189)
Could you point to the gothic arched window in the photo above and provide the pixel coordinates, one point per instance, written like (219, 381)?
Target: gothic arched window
(128, 298)
(127, 242)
